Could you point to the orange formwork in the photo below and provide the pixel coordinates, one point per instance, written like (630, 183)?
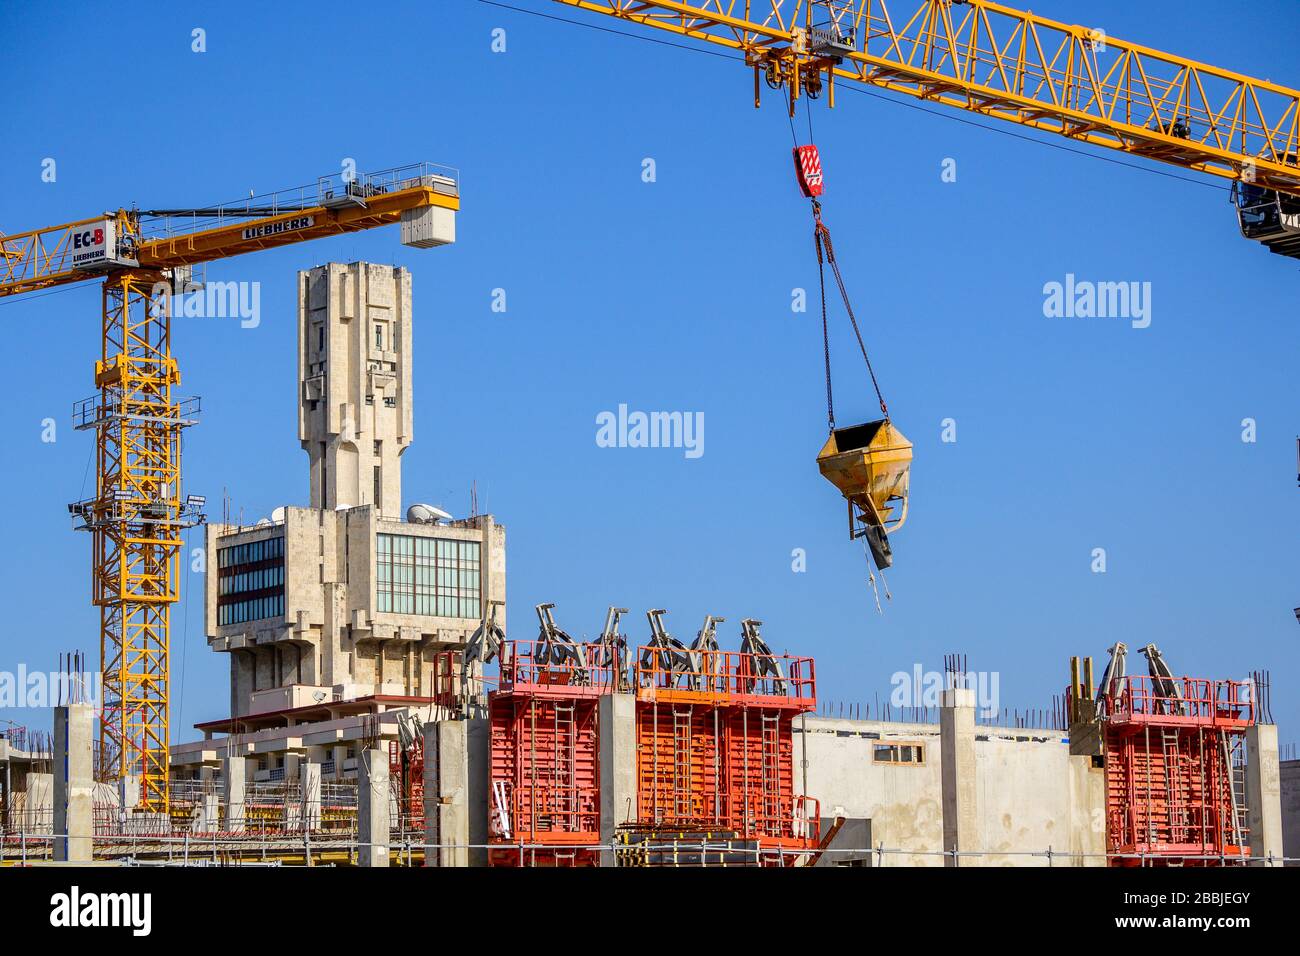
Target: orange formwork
(1174, 757)
(715, 748)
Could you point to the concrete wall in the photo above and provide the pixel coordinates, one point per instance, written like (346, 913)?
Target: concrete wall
(1033, 796)
(1029, 793)
(1290, 788)
(902, 801)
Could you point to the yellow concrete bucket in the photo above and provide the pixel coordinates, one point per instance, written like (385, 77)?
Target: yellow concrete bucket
(870, 464)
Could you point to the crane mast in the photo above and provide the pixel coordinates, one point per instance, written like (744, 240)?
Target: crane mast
(138, 514)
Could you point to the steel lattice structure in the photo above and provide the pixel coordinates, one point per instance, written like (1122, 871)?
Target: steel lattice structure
(136, 520)
(986, 58)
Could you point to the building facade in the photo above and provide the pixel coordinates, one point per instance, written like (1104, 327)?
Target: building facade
(343, 599)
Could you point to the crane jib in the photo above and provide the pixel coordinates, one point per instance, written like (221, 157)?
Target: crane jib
(275, 228)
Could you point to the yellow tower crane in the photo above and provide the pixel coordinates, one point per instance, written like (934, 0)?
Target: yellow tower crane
(138, 513)
(986, 58)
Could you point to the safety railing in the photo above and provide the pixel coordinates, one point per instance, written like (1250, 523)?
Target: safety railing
(1189, 700)
(730, 673)
(326, 190)
(579, 668)
(792, 819)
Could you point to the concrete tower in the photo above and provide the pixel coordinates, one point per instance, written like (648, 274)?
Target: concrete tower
(354, 373)
(345, 600)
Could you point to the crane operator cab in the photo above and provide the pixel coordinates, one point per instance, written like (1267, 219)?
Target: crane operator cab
(871, 465)
(1268, 216)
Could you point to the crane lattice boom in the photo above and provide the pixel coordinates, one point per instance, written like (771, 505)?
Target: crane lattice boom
(991, 59)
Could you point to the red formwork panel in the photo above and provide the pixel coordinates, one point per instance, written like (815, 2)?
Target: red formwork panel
(1174, 793)
(544, 760)
(715, 748)
(406, 777)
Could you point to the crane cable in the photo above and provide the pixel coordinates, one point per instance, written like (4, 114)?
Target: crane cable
(826, 254)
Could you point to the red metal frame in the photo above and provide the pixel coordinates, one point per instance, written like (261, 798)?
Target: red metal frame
(545, 749)
(406, 774)
(1170, 795)
(715, 747)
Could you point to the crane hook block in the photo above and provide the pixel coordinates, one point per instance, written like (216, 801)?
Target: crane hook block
(871, 466)
(808, 167)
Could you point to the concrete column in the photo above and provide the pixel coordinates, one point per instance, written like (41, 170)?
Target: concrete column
(478, 736)
(128, 792)
(38, 813)
(1263, 792)
(446, 793)
(294, 800)
(74, 825)
(311, 795)
(957, 751)
(209, 813)
(372, 807)
(616, 720)
(233, 778)
(340, 758)
(432, 796)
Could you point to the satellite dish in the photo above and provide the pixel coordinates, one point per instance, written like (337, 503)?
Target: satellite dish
(426, 514)
(262, 523)
(277, 515)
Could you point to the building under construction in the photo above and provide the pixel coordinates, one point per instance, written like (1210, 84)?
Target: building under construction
(380, 715)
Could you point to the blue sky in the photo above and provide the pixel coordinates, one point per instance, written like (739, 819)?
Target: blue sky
(1073, 434)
